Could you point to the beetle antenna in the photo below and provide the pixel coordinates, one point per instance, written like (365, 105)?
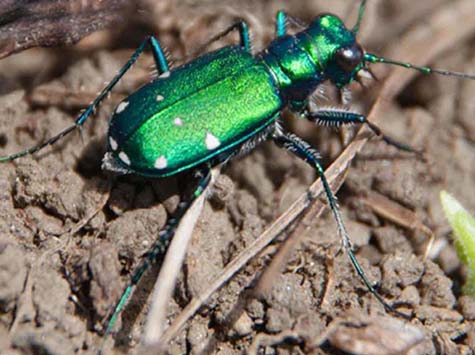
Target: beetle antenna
(361, 12)
(371, 58)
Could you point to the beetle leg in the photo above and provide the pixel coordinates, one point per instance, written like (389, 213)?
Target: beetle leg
(281, 24)
(306, 152)
(159, 248)
(158, 55)
(283, 19)
(244, 37)
(162, 66)
(339, 117)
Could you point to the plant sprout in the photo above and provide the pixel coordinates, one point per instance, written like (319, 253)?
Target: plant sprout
(463, 226)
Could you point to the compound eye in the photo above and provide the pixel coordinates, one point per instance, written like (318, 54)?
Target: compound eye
(349, 58)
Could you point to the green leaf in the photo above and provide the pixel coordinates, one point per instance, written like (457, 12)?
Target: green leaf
(463, 226)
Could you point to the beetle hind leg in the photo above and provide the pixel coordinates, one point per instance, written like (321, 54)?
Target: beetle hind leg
(162, 66)
(159, 248)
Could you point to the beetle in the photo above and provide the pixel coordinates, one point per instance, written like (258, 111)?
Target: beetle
(223, 103)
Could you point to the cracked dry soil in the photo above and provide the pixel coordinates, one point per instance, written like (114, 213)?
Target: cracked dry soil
(70, 234)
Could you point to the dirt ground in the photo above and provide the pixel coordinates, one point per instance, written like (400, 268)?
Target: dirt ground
(70, 233)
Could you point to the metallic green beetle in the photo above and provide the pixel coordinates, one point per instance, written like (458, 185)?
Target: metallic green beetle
(207, 109)
(222, 104)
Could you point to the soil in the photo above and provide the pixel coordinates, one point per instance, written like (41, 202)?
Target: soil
(70, 233)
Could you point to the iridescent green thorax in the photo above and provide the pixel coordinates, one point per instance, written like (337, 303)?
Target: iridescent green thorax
(294, 70)
(325, 36)
(301, 62)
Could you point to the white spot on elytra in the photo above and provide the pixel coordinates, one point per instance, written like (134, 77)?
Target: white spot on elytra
(178, 122)
(124, 157)
(161, 162)
(160, 98)
(165, 74)
(122, 106)
(211, 141)
(113, 143)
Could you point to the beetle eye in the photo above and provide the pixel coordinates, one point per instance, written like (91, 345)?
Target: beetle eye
(349, 58)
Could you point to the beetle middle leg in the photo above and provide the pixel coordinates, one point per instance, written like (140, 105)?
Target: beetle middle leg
(244, 38)
(283, 19)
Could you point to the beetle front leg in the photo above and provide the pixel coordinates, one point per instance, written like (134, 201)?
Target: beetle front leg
(339, 117)
(304, 151)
